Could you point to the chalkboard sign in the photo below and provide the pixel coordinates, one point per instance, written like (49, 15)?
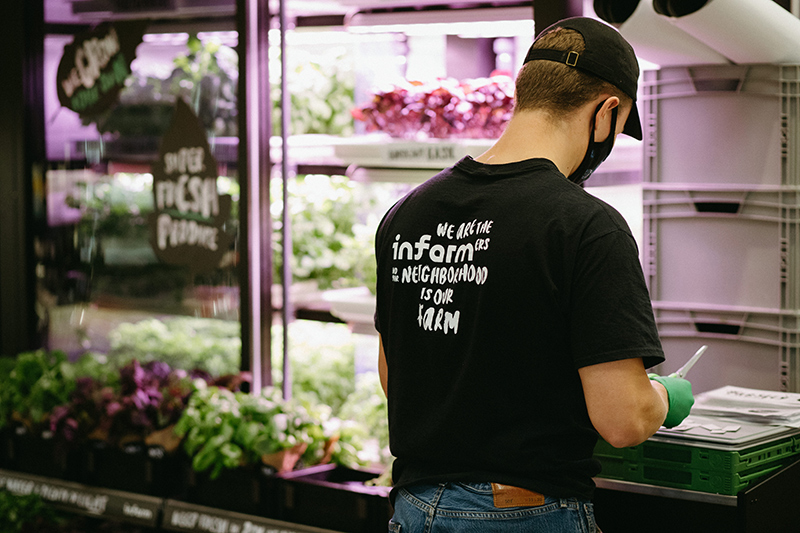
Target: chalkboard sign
(186, 227)
(180, 516)
(95, 65)
(83, 499)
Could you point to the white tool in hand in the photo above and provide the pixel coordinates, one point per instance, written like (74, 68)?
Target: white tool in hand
(682, 371)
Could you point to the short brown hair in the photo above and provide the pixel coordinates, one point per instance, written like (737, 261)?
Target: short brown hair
(555, 87)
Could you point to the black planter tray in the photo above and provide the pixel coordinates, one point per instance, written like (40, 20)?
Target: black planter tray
(6, 435)
(335, 497)
(43, 454)
(247, 489)
(137, 467)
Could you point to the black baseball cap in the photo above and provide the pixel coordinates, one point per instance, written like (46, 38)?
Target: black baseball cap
(607, 56)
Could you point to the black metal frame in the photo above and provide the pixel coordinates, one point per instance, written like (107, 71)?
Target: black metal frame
(22, 162)
(255, 246)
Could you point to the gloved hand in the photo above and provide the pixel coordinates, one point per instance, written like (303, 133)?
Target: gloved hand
(679, 392)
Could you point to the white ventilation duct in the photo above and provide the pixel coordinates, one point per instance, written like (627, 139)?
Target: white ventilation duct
(744, 31)
(653, 37)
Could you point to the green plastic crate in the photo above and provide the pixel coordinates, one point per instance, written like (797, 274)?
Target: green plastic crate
(683, 477)
(669, 455)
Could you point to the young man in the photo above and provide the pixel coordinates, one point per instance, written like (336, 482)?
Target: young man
(515, 321)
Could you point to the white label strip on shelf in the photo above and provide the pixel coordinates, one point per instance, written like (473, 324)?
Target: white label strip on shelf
(422, 154)
(382, 151)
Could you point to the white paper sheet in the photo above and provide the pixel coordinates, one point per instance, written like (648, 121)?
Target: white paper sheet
(752, 405)
(745, 31)
(723, 431)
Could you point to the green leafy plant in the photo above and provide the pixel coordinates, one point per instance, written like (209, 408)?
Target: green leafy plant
(7, 364)
(350, 406)
(368, 405)
(23, 513)
(225, 429)
(333, 223)
(322, 362)
(38, 382)
(115, 206)
(183, 342)
(336, 440)
(322, 92)
(205, 75)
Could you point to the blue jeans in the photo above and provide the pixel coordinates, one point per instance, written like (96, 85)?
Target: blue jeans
(469, 507)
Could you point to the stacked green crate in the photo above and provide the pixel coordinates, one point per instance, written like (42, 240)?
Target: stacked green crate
(697, 465)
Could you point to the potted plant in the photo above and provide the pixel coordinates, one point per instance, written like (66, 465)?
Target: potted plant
(237, 441)
(38, 383)
(125, 422)
(348, 489)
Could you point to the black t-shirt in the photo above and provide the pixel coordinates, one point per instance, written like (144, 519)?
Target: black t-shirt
(495, 284)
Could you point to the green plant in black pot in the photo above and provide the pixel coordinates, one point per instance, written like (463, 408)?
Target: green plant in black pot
(38, 382)
(224, 429)
(125, 406)
(38, 385)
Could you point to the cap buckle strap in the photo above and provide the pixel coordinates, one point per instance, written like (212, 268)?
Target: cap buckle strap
(572, 58)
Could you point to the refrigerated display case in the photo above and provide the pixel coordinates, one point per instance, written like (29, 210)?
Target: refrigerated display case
(97, 267)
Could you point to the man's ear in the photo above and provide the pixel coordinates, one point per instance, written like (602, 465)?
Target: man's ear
(602, 125)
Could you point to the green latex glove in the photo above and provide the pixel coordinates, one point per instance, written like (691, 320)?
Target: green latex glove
(679, 392)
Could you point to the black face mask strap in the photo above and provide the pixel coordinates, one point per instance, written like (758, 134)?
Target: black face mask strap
(584, 170)
(597, 152)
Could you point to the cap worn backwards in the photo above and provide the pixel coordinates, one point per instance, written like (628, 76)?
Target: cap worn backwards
(607, 55)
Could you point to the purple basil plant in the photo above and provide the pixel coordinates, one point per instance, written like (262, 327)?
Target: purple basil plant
(144, 398)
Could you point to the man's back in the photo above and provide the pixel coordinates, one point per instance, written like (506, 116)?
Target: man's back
(482, 271)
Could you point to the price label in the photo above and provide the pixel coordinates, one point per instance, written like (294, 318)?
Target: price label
(434, 155)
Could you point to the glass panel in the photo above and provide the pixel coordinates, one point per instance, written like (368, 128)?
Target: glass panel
(101, 286)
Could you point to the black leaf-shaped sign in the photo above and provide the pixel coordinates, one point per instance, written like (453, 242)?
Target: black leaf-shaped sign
(95, 64)
(186, 227)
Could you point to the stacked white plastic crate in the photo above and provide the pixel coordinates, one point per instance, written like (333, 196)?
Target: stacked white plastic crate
(722, 220)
